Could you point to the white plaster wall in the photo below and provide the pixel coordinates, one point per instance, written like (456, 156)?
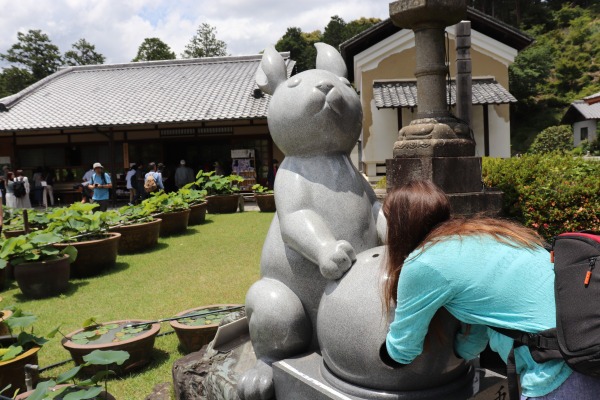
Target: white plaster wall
(499, 134)
(383, 135)
(590, 124)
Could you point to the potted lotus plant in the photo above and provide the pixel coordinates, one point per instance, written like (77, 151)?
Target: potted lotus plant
(87, 231)
(196, 199)
(87, 389)
(139, 229)
(134, 336)
(172, 209)
(265, 199)
(16, 351)
(223, 196)
(40, 269)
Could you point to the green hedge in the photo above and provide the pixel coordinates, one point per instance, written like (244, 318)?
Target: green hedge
(552, 193)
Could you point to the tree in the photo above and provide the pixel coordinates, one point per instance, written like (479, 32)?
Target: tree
(552, 139)
(296, 43)
(83, 53)
(154, 49)
(205, 44)
(531, 67)
(13, 80)
(335, 32)
(36, 53)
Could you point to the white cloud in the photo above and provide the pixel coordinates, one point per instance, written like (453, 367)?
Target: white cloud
(117, 27)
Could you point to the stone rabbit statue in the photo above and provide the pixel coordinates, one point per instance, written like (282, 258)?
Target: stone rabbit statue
(326, 211)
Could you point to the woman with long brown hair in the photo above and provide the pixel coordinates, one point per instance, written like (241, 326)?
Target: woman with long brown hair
(486, 272)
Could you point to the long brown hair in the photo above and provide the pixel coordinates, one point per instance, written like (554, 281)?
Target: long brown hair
(419, 215)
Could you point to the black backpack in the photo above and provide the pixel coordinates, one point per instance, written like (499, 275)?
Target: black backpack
(576, 338)
(19, 188)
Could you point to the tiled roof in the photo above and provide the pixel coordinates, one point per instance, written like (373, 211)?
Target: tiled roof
(155, 92)
(403, 94)
(581, 111)
(593, 96)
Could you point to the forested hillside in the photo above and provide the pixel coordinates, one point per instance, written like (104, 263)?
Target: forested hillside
(561, 66)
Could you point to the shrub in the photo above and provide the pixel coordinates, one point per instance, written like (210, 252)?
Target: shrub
(552, 193)
(554, 138)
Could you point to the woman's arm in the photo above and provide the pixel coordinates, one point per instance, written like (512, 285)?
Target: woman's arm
(470, 342)
(422, 291)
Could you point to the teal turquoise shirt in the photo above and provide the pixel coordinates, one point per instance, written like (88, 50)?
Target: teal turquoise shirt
(481, 282)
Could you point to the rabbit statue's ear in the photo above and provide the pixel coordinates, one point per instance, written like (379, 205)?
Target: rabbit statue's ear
(272, 71)
(329, 59)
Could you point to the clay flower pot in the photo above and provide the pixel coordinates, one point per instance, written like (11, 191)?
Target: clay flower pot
(4, 315)
(3, 278)
(13, 371)
(192, 338)
(93, 256)
(10, 234)
(198, 213)
(102, 395)
(43, 278)
(266, 202)
(174, 222)
(139, 349)
(223, 204)
(138, 237)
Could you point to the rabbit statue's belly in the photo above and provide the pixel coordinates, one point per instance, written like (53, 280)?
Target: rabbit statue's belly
(352, 330)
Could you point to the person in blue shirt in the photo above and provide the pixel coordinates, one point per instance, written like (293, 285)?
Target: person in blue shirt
(486, 272)
(100, 183)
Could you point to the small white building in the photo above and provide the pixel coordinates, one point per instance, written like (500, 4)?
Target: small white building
(381, 63)
(583, 115)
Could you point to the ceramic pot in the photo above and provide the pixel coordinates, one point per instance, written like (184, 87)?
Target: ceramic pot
(192, 338)
(223, 204)
(13, 371)
(266, 202)
(102, 395)
(12, 234)
(43, 278)
(93, 256)
(139, 349)
(174, 222)
(138, 237)
(198, 213)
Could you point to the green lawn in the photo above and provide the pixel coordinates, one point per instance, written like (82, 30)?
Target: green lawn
(212, 263)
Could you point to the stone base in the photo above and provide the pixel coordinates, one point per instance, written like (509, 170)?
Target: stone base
(488, 202)
(304, 378)
(452, 174)
(209, 375)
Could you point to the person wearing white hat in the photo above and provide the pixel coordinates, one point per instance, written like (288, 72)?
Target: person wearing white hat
(100, 184)
(183, 175)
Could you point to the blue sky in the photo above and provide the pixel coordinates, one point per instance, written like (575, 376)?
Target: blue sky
(118, 27)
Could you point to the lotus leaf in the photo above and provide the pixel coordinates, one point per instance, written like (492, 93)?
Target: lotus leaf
(98, 357)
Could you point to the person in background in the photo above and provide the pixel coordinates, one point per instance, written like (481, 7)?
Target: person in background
(100, 184)
(88, 175)
(24, 201)
(11, 199)
(139, 181)
(48, 189)
(130, 179)
(1, 213)
(153, 170)
(183, 175)
(3, 179)
(218, 168)
(272, 173)
(38, 189)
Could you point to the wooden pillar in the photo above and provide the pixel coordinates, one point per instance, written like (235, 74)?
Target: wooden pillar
(486, 131)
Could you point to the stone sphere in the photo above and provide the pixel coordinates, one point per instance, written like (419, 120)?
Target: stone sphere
(352, 330)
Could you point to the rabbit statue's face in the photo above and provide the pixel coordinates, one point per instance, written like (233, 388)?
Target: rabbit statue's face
(314, 112)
